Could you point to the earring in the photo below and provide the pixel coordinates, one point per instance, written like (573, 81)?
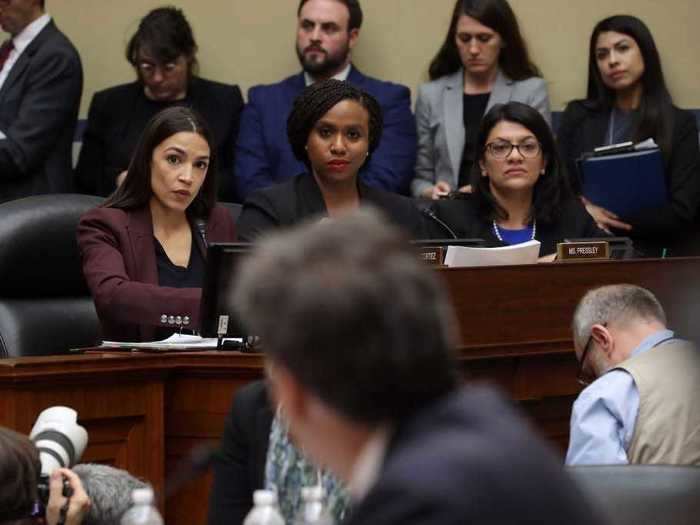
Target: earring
(484, 174)
(542, 171)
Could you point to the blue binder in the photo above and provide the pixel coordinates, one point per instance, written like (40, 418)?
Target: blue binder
(625, 183)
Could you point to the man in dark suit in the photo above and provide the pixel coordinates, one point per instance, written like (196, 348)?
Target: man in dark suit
(327, 32)
(359, 356)
(41, 81)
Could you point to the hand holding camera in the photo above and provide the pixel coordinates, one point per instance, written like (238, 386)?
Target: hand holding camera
(68, 503)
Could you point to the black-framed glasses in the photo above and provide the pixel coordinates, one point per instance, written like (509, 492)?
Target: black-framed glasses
(583, 378)
(500, 149)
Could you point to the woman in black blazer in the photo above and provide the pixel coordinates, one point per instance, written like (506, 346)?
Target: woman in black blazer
(628, 100)
(162, 52)
(333, 129)
(520, 192)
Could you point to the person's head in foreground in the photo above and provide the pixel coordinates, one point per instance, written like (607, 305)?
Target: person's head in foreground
(356, 330)
(20, 469)
(333, 129)
(358, 342)
(173, 169)
(609, 323)
(109, 490)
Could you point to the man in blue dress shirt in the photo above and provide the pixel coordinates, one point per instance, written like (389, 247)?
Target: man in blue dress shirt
(644, 383)
(327, 31)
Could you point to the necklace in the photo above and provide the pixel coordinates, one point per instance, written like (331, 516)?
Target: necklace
(497, 232)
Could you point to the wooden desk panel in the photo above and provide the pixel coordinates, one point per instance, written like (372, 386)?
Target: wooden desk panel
(145, 412)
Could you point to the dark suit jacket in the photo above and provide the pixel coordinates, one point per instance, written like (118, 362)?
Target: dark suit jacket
(462, 216)
(118, 116)
(582, 129)
(119, 264)
(39, 104)
(285, 204)
(241, 466)
(264, 156)
(469, 459)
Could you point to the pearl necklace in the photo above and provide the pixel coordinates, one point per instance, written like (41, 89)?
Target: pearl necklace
(497, 232)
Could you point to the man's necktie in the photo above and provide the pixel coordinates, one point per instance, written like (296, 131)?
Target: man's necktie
(5, 50)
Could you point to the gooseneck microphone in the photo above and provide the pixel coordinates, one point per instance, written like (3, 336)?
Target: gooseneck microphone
(201, 225)
(431, 214)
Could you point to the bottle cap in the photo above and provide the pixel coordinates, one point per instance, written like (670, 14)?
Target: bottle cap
(314, 493)
(142, 496)
(265, 497)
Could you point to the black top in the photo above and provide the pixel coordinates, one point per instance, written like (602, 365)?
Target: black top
(584, 127)
(462, 216)
(174, 276)
(473, 108)
(240, 469)
(118, 115)
(299, 198)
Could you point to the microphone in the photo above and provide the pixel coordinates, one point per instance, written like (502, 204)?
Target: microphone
(201, 225)
(431, 214)
(197, 462)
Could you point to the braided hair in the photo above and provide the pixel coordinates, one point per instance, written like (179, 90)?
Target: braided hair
(316, 100)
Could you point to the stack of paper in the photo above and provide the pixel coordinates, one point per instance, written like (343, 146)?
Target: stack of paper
(524, 253)
(174, 342)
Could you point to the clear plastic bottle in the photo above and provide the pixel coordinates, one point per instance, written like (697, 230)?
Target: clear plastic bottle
(264, 511)
(142, 512)
(313, 511)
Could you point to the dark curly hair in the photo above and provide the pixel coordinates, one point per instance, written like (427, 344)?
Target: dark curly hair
(316, 100)
(551, 189)
(165, 34)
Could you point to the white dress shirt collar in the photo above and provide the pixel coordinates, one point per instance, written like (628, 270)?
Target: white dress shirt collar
(366, 469)
(341, 75)
(29, 33)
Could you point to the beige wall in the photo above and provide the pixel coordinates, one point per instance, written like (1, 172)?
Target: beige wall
(251, 41)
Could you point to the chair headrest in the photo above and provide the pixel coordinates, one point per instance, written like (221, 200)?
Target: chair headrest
(38, 246)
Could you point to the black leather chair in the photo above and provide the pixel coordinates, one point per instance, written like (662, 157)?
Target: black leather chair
(642, 494)
(45, 306)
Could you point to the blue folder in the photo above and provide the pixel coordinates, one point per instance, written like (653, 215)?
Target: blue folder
(625, 183)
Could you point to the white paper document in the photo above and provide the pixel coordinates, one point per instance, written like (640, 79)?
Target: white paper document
(174, 342)
(523, 253)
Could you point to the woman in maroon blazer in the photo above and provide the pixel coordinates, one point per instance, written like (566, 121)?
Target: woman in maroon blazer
(144, 249)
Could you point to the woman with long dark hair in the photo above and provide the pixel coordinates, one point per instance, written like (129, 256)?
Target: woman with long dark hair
(520, 192)
(144, 249)
(483, 62)
(628, 100)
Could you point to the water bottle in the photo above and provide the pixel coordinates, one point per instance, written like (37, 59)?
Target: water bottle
(313, 511)
(142, 512)
(264, 511)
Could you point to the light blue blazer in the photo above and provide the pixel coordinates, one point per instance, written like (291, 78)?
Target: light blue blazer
(440, 122)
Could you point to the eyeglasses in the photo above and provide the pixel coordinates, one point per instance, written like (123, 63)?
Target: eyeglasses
(583, 378)
(500, 149)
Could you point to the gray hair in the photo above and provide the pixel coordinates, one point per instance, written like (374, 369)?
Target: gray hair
(617, 302)
(349, 309)
(109, 490)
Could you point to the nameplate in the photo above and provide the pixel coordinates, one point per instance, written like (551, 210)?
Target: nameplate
(570, 251)
(433, 255)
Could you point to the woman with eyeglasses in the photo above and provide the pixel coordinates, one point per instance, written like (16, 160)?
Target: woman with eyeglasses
(519, 189)
(163, 54)
(628, 100)
(483, 62)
